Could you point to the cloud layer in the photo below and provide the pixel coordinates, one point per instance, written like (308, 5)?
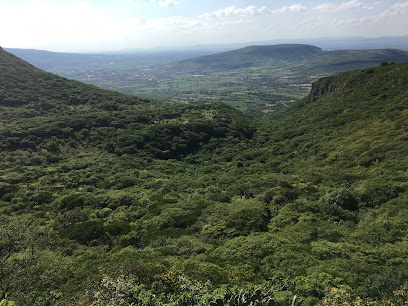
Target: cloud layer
(295, 8)
(236, 11)
(253, 11)
(399, 9)
(353, 4)
(88, 26)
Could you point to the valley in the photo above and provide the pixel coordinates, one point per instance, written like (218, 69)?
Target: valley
(114, 199)
(248, 79)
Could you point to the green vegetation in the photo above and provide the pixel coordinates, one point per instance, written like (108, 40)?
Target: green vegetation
(256, 79)
(108, 199)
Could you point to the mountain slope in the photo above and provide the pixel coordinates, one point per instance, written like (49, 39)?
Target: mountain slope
(40, 104)
(23, 84)
(112, 199)
(361, 113)
(251, 56)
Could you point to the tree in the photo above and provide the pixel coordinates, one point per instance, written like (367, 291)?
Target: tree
(20, 241)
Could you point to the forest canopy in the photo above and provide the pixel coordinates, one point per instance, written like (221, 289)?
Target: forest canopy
(109, 199)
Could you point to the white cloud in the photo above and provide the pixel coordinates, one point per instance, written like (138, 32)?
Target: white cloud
(253, 11)
(295, 8)
(352, 4)
(236, 11)
(399, 9)
(165, 2)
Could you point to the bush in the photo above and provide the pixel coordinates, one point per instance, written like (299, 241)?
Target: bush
(71, 201)
(84, 232)
(315, 284)
(43, 197)
(117, 228)
(341, 198)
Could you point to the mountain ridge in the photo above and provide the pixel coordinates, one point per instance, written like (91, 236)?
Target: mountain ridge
(252, 55)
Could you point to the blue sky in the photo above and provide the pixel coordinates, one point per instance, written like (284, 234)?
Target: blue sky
(96, 25)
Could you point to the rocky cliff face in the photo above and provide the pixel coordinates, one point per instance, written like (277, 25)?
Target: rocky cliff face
(324, 86)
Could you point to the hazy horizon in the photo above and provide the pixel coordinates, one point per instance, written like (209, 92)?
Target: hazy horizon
(91, 25)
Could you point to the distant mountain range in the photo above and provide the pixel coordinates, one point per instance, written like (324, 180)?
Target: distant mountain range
(326, 43)
(239, 58)
(56, 61)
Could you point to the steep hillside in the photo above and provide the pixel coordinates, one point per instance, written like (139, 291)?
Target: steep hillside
(23, 84)
(39, 105)
(112, 199)
(354, 119)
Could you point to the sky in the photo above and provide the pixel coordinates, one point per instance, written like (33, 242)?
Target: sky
(99, 25)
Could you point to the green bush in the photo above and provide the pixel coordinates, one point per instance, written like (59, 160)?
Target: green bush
(341, 198)
(71, 201)
(84, 232)
(116, 228)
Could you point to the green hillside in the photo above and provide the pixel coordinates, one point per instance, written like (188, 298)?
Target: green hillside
(107, 199)
(251, 56)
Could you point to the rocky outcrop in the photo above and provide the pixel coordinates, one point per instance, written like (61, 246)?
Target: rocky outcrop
(324, 86)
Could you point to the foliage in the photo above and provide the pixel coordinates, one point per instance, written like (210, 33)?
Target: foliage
(5, 302)
(111, 199)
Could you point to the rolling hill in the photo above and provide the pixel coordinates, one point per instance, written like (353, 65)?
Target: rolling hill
(113, 199)
(251, 56)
